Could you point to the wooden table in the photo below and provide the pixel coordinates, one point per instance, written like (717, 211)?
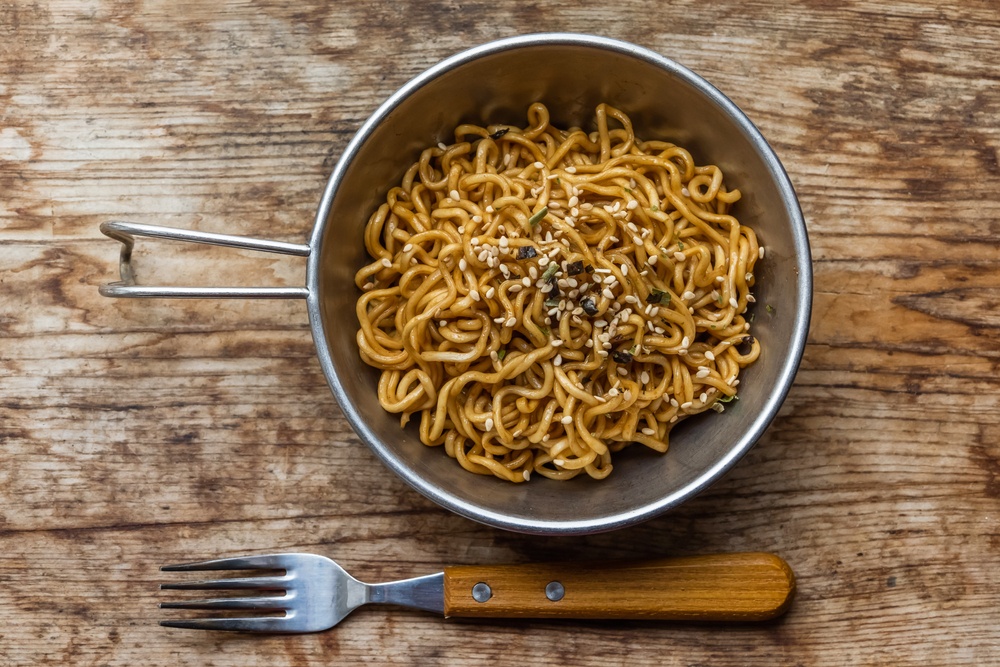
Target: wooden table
(140, 433)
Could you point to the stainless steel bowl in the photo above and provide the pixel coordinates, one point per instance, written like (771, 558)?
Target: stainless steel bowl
(495, 83)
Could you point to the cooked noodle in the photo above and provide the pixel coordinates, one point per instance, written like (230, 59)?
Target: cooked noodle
(542, 298)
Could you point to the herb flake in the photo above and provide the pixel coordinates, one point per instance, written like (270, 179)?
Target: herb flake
(537, 217)
(499, 133)
(526, 252)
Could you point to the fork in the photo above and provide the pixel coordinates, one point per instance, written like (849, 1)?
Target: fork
(313, 593)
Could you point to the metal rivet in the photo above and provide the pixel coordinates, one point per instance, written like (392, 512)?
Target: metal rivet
(555, 591)
(481, 592)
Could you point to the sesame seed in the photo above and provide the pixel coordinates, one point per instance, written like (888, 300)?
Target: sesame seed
(632, 227)
(504, 242)
(612, 392)
(558, 360)
(748, 277)
(685, 192)
(648, 431)
(526, 281)
(610, 280)
(631, 299)
(491, 262)
(505, 271)
(454, 195)
(733, 302)
(408, 247)
(573, 201)
(704, 397)
(477, 218)
(511, 321)
(644, 377)
(517, 287)
(494, 356)
(442, 146)
(538, 165)
(608, 293)
(624, 269)
(489, 424)
(461, 229)
(386, 263)
(490, 292)
(570, 170)
(628, 395)
(686, 342)
(659, 330)
(556, 342)
(489, 209)
(462, 264)
(652, 260)
(720, 279)
(688, 296)
(632, 205)
(475, 295)
(751, 298)
(636, 240)
(682, 352)
(603, 353)
(734, 383)
(679, 256)
(568, 419)
(483, 255)
(368, 286)
(673, 402)
(673, 419)
(543, 261)
(589, 343)
(702, 374)
(526, 474)
(553, 311)
(606, 346)
(710, 355)
(686, 405)
(760, 252)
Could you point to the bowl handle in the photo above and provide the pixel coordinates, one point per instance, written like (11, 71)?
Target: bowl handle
(125, 233)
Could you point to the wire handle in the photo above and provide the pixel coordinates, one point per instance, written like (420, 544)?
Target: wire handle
(125, 233)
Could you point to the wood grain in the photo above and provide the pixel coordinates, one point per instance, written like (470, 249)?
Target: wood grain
(139, 433)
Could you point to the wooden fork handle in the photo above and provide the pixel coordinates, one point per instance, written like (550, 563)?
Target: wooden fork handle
(724, 587)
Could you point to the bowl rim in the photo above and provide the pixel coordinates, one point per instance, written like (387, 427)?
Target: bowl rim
(647, 511)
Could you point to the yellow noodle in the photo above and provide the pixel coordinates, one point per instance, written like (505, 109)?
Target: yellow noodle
(542, 298)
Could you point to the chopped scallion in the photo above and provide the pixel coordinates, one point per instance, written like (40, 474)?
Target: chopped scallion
(537, 217)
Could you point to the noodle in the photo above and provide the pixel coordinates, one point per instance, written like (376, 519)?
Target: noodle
(542, 298)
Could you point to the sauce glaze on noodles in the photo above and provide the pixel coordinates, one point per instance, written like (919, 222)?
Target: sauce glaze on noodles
(542, 298)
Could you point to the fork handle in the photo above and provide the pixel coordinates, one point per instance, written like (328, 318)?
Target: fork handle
(723, 587)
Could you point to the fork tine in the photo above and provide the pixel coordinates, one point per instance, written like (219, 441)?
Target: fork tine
(236, 583)
(261, 562)
(255, 604)
(253, 624)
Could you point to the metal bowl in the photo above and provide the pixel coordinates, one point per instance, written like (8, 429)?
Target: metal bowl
(495, 83)
(571, 74)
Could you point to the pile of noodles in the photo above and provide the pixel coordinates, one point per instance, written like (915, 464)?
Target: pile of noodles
(542, 298)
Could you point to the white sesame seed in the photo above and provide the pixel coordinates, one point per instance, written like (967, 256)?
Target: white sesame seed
(553, 311)
(673, 402)
(386, 263)
(652, 260)
(568, 419)
(603, 353)
(644, 377)
(408, 247)
(686, 405)
(628, 395)
(631, 299)
(751, 298)
(589, 343)
(517, 287)
(538, 165)
(621, 371)
(748, 277)
(558, 360)
(498, 320)
(511, 321)
(686, 342)
(483, 255)
(489, 424)
(682, 352)
(489, 209)
(504, 242)
(648, 431)
(612, 392)
(720, 279)
(442, 146)
(505, 271)
(632, 205)
(462, 264)
(526, 281)
(685, 192)
(679, 256)
(477, 218)
(556, 342)
(735, 383)
(543, 261)
(608, 293)
(461, 229)
(475, 295)
(454, 195)
(702, 374)
(494, 356)
(570, 170)
(632, 228)
(760, 252)
(490, 292)
(659, 330)
(704, 397)
(636, 240)
(573, 201)
(368, 286)
(733, 302)
(526, 474)
(533, 272)
(624, 269)
(688, 296)
(710, 355)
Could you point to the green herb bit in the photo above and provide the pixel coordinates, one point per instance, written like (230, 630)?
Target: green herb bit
(729, 399)
(551, 303)
(550, 271)
(501, 354)
(537, 217)
(544, 330)
(752, 316)
(632, 350)
(628, 190)
(680, 245)
(654, 208)
(769, 308)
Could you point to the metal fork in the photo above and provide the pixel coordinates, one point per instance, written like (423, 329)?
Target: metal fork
(312, 593)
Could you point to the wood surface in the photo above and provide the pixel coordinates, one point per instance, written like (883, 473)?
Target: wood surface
(136, 434)
(715, 587)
